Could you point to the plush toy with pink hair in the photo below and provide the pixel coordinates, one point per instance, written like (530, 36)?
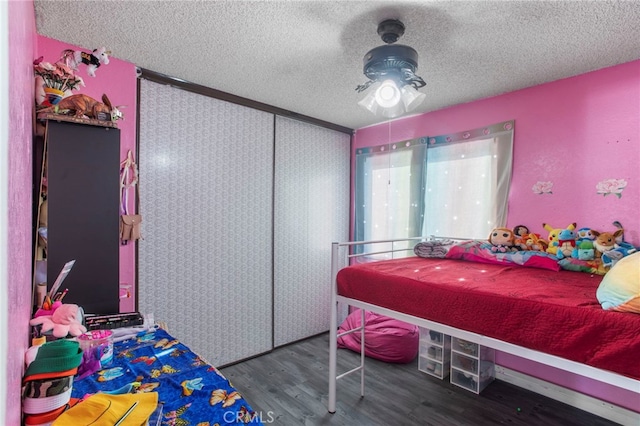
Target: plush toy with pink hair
(63, 321)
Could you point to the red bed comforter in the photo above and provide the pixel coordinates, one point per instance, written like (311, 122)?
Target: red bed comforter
(555, 312)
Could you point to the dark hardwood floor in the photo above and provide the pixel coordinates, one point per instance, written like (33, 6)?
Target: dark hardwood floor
(289, 386)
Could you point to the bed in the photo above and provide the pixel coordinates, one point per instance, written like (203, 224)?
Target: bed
(190, 390)
(538, 313)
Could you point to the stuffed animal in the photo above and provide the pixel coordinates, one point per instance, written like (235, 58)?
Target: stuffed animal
(605, 241)
(552, 238)
(93, 60)
(618, 225)
(81, 105)
(502, 240)
(611, 257)
(535, 243)
(584, 250)
(611, 247)
(584, 234)
(566, 243)
(521, 235)
(63, 321)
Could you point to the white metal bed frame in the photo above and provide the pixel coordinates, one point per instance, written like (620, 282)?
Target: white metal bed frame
(341, 256)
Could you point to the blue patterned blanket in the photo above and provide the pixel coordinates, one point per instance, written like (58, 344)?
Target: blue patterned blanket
(192, 391)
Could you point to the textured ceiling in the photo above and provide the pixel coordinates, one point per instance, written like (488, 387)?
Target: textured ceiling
(306, 56)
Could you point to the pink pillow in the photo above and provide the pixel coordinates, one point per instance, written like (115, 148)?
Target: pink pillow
(385, 338)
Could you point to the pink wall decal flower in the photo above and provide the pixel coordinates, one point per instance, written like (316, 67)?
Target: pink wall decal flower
(542, 187)
(611, 186)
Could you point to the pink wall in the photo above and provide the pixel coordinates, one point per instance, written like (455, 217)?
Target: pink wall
(21, 49)
(118, 80)
(574, 133)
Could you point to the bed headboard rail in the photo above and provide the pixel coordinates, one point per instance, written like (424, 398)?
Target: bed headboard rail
(391, 244)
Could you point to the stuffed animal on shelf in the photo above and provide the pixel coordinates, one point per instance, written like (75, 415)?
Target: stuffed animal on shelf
(502, 240)
(81, 105)
(93, 60)
(552, 238)
(64, 320)
(566, 243)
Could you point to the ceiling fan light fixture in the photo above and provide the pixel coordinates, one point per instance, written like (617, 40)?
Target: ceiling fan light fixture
(369, 101)
(391, 69)
(411, 98)
(388, 94)
(392, 112)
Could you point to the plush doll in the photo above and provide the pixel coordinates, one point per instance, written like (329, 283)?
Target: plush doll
(63, 321)
(584, 250)
(535, 243)
(502, 240)
(605, 241)
(553, 236)
(583, 234)
(93, 60)
(566, 243)
(611, 247)
(612, 256)
(521, 235)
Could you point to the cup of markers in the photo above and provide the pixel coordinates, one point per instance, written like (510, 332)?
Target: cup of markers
(49, 303)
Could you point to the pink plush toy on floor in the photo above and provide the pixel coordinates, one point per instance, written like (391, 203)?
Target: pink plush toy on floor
(63, 321)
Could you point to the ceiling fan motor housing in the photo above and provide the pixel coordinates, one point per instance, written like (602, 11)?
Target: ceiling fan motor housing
(388, 60)
(390, 30)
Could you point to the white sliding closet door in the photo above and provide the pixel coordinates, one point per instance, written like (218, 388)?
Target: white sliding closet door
(311, 211)
(206, 188)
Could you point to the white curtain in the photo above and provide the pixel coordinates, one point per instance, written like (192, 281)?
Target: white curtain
(450, 186)
(389, 190)
(467, 187)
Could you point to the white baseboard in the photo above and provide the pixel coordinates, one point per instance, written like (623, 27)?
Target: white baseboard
(587, 403)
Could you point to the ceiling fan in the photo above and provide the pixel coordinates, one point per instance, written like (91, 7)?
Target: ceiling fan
(391, 69)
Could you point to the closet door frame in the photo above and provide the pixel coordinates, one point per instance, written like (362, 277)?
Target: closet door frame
(143, 305)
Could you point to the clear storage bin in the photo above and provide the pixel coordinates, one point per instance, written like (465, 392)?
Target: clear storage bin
(434, 353)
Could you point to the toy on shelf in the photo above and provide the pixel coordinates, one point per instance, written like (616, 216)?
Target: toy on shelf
(63, 320)
(82, 105)
(93, 60)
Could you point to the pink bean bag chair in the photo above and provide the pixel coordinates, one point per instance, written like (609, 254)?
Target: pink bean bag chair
(385, 338)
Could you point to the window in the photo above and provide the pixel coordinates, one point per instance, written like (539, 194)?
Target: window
(389, 191)
(449, 186)
(467, 187)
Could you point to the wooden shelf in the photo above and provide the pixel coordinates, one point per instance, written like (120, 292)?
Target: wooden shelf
(72, 119)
